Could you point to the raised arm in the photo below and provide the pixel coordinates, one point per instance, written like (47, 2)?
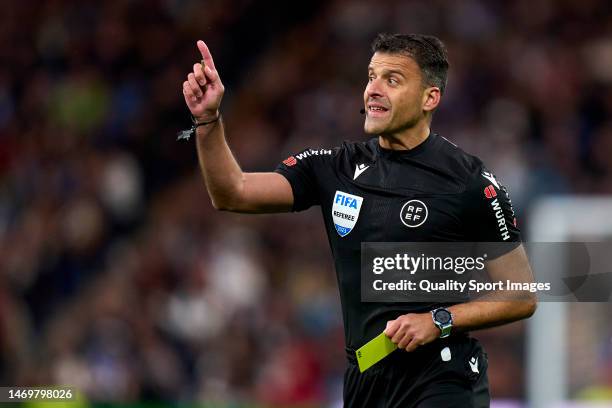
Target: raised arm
(230, 188)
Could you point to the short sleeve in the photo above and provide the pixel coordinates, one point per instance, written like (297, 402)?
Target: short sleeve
(301, 170)
(490, 215)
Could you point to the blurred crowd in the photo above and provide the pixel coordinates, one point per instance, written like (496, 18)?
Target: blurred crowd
(118, 277)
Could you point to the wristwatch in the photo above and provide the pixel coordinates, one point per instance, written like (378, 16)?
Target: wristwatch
(443, 319)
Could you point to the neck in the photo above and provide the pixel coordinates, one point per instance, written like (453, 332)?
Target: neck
(406, 139)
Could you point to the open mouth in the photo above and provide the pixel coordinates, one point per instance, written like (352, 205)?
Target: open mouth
(377, 110)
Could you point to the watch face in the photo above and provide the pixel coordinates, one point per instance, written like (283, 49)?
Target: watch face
(442, 316)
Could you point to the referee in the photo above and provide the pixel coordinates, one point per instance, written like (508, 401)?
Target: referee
(451, 199)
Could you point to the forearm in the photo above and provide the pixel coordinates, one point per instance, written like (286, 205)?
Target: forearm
(222, 174)
(229, 188)
(499, 308)
(482, 314)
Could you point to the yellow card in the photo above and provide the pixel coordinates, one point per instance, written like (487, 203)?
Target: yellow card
(374, 351)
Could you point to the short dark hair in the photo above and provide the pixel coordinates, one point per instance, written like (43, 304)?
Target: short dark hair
(427, 51)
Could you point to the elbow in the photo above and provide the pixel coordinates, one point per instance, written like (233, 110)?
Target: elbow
(220, 205)
(217, 205)
(530, 306)
(225, 204)
(227, 199)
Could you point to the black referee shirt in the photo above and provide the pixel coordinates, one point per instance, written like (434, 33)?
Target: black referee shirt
(434, 192)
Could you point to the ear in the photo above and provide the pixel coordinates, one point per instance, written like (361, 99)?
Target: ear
(431, 98)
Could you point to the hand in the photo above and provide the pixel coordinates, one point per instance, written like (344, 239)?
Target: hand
(412, 330)
(203, 89)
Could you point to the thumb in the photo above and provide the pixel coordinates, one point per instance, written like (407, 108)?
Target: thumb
(389, 332)
(211, 75)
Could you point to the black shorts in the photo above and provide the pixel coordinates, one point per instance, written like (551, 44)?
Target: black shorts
(421, 379)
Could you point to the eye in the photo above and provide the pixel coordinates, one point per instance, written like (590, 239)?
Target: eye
(393, 81)
(370, 78)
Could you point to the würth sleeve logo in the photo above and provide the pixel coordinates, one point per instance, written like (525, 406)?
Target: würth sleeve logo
(290, 161)
(490, 192)
(501, 219)
(293, 160)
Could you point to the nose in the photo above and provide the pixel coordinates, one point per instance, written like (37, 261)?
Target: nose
(373, 89)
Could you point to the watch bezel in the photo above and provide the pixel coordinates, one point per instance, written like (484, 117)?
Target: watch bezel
(445, 328)
(440, 311)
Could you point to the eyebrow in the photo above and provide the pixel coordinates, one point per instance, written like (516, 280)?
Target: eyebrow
(389, 71)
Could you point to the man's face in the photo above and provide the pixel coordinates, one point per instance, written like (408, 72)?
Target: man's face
(394, 95)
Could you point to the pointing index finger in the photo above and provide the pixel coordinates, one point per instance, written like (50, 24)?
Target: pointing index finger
(206, 56)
